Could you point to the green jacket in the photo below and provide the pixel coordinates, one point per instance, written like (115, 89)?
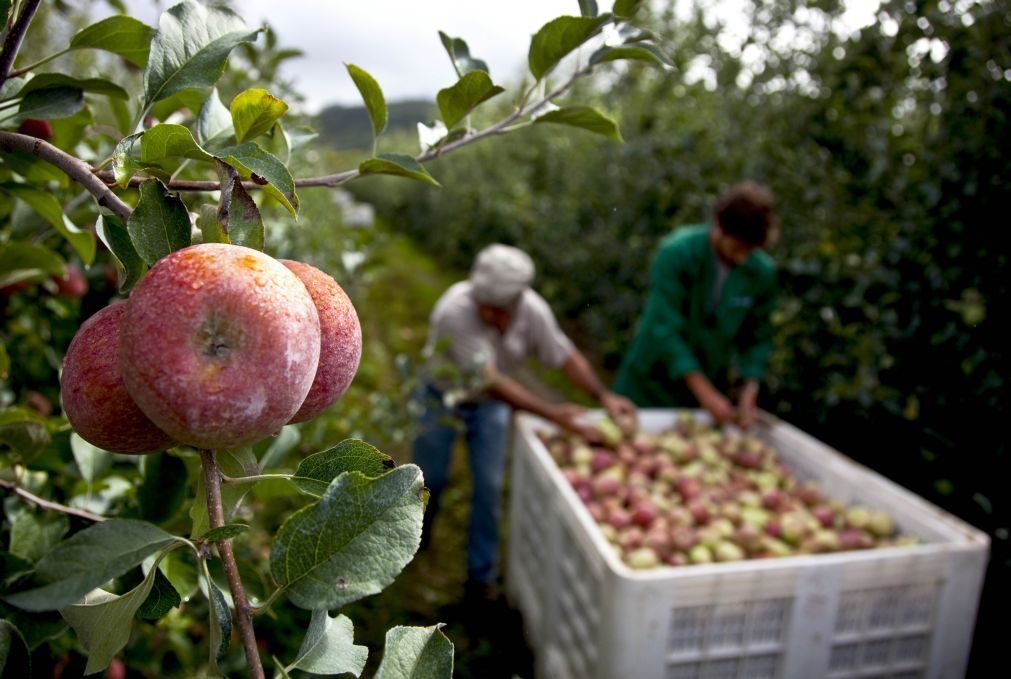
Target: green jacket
(679, 331)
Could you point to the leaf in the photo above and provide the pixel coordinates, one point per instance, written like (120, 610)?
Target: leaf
(372, 95)
(642, 51)
(314, 473)
(625, 8)
(329, 648)
(255, 164)
(558, 38)
(584, 117)
(221, 623)
(116, 237)
(163, 488)
(226, 532)
(122, 35)
(26, 261)
(280, 445)
(352, 542)
(416, 653)
(103, 622)
(52, 81)
(14, 654)
(5, 363)
(191, 48)
(123, 164)
(210, 227)
(238, 216)
(588, 8)
(91, 461)
(24, 432)
(33, 535)
(398, 164)
(47, 205)
(459, 55)
(235, 462)
(255, 111)
(214, 121)
(162, 598)
(88, 559)
(181, 573)
(57, 102)
(160, 224)
(457, 101)
(168, 140)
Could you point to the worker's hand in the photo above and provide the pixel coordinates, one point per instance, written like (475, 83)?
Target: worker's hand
(567, 416)
(747, 406)
(719, 406)
(622, 411)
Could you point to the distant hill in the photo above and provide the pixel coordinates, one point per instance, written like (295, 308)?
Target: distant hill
(348, 127)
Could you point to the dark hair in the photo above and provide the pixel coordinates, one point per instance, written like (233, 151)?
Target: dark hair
(746, 211)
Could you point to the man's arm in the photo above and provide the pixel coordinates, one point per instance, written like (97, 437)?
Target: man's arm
(581, 374)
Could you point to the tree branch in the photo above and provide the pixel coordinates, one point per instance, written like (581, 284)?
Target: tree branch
(216, 517)
(16, 34)
(75, 168)
(48, 504)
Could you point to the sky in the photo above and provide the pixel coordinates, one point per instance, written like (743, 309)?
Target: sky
(397, 41)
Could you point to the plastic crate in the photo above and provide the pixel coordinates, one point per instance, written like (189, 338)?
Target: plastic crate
(898, 612)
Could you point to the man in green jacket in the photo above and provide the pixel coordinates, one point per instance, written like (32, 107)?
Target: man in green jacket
(706, 325)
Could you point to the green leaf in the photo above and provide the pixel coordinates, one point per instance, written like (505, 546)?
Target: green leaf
(160, 600)
(416, 653)
(26, 261)
(352, 542)
(24, 432)
(315, 473)
(15, 658)
(89, 559)
(215, 121)
(33, 535)
(398, 164)
(91, 461)
(255, 164)
(584, 117)
(123, 164)
(642, 51)
(329, 648)
(122, 35)
(238, 215)
(191, 48)
(47, 205)
(210, 227)
(372, 95)
(235, 462)
(163, 488)
(54, 81)
(181, 573)
(625, 8)
(168, 140)
(255, 111)
(221, 623)
(457, 101)
(103, 622)
(459, 55)
(116, 237)
(57, 102)
(5, 363)
(279, 446)
(558, 38)
(160, 224)
(226, 532)
(588, 8)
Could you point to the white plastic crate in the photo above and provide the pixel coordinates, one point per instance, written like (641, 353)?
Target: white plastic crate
(898, 612)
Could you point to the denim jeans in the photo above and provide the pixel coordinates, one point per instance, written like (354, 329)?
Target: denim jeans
(486, 427)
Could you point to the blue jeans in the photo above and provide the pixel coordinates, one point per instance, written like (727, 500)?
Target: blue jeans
(486, 426)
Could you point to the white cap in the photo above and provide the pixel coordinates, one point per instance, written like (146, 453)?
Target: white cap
(500, 273)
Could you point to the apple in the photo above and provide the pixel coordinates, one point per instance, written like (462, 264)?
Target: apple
(340, 340)
(95, 400)
(641, 558)
(72, 284)
(33, 127)
(219, 345)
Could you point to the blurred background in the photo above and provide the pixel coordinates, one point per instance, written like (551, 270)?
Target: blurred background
(882, 129)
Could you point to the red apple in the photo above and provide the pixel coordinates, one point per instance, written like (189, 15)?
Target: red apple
(40, 129)
(219, 345)
(95, 399)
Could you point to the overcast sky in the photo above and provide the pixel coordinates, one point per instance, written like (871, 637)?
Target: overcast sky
(397, 41)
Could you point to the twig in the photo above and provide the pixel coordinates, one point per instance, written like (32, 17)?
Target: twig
(12, 44)
(48, 504)
(75, 168)
(243, 611)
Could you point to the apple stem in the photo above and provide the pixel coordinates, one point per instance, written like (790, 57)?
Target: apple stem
(243, 611)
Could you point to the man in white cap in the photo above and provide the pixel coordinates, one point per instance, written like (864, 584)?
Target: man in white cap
(482, 330)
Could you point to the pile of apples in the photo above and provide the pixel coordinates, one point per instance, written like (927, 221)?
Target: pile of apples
(695, 494)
